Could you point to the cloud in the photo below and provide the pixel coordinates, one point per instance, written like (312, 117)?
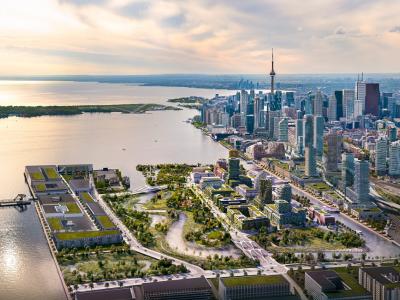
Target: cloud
(174, 21)
(225, 36)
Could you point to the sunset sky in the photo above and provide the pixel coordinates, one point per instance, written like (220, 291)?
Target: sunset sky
(198, 36)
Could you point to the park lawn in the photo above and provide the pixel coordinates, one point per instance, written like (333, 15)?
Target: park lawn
(158, 205)
(312, 243)
(73, 208)
(55, 224)
(215, 235)
(105, 222)
(84, 234)
(51, 173)
(190, 224)
(37, 176)
(86, 197)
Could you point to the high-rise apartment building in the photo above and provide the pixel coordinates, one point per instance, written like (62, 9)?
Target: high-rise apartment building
(361, 180)
(310, 161)
(381, 150)
(394, 159)
(308, 131)
(331, 157)
(348, 104)
(347, 169)
(244, 99)
(332, 109)
(318, 103)
(318, 135)
(283, 130)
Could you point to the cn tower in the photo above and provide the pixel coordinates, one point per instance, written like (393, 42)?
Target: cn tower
(272, 74)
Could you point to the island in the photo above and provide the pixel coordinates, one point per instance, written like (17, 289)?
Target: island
(55, 110)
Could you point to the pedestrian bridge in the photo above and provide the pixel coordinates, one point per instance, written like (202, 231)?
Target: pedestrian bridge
(149, 189)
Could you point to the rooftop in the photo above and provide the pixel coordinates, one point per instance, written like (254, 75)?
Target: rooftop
(383, 274)
(175, 285)
(126, 293)
(84, 234)
(252, 280)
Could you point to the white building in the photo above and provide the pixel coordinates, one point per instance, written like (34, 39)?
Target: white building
(394, 159)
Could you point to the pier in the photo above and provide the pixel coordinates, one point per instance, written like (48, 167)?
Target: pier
(19, 201)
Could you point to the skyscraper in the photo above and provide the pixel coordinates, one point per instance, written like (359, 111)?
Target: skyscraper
(381, 149)
(318, 135)
(310, 161)
(258, 112)
(308, 131)
(392, 133)
(270, 121)
(347, 169)
(339, 104)
(233, 168)
(361, 180)
(283, 130)
(332, 109)
(394, 159)
(331, 157)
(299, 133)
(244, 99)
(272, 74)
(318, 103)
(348, 104)
(372, 96)
(360, 93)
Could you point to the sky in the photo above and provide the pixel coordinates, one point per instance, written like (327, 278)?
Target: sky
(45, 37)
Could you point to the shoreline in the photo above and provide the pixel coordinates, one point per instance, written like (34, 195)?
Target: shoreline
(73, 110)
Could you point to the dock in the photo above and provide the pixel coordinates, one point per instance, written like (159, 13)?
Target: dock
(19, 201)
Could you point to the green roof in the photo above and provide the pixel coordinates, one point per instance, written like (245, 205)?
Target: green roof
(86, 197)
(41, 187)
(105, 222)
(37, 176)
(51, 173)
(84, 234)
(73, 208)
(252, 280)
(351, 282)
(55, 223)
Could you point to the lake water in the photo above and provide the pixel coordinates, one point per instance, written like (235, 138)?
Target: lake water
(106, 140)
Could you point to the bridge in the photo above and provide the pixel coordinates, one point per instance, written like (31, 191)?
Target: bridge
(20, 201)
(148, 189)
